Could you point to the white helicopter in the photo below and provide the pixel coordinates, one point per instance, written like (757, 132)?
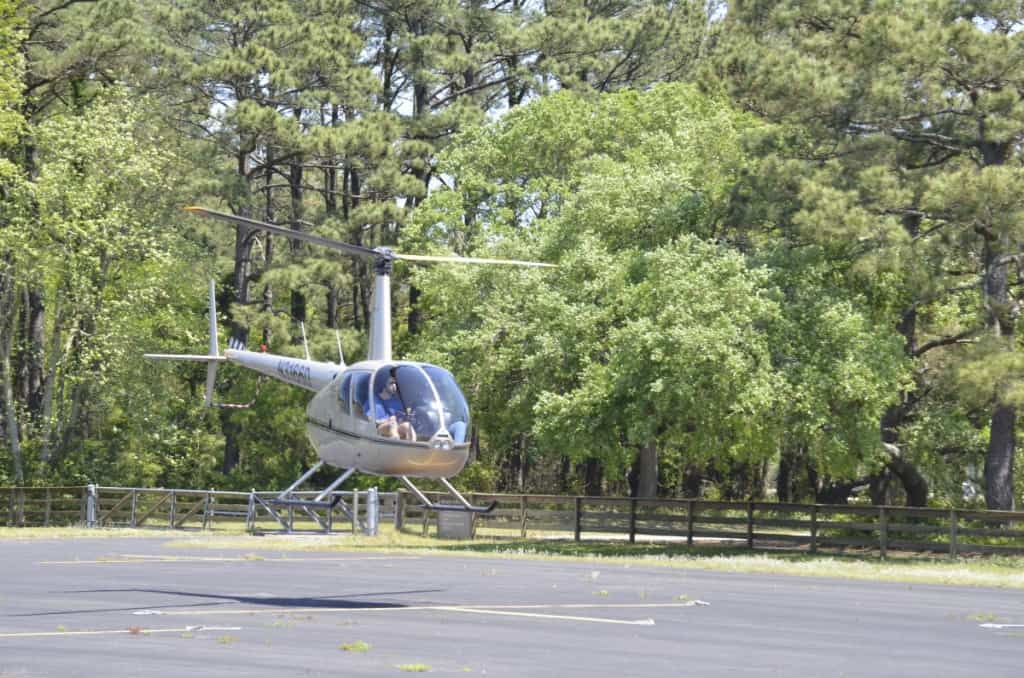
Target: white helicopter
(379, 416)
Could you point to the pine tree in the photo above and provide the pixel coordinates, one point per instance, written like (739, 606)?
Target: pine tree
(899, 140)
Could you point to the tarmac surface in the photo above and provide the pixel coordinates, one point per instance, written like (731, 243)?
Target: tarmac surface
(137, 607)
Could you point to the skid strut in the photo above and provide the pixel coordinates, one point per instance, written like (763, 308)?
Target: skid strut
(463, 504)
(286, 498)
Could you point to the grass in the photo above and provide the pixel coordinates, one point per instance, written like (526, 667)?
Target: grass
(357, 646)
(989, 571)
(21, 533)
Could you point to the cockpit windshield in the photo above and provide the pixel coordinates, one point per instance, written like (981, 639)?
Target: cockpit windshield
(415, 402)
(453, 403)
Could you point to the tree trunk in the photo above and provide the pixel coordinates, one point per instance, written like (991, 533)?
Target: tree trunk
(332, 307)
(692, 479)
(999, 460)
(295, 176)
(1003, 312)
(232, 451)
(10, 414)
(31, 359)
(592, 477)
(1001, 442)
(414, 309)
(647, 481)
(57, 351)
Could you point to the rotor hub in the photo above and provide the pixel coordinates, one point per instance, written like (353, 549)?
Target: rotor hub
(383, 264)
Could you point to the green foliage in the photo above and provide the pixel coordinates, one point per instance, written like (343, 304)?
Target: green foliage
(897, 149)
(730, 284)
(90, 235)
(12, 68)
(648, 331)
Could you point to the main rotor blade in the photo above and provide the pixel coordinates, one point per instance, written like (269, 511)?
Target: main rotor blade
(355, 249)
(287, 232)
(470, 260)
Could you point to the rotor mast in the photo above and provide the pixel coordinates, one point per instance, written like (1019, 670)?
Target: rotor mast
(380, 316)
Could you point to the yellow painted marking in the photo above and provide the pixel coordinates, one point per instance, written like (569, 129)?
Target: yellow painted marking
(211, 559)
(112, 632)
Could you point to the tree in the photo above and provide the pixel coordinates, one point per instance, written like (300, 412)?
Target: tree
(904, 122)
(612, 205)
(12, 127)
(91, 243)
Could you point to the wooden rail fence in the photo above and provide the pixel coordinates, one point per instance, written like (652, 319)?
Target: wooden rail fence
(751, 524)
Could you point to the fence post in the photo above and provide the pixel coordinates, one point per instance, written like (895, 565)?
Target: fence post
(883, 531)
(954, 527)
(172, 513)
(750, 524)
(632, 520)
(372, 512)
(91, 501)
(522, 517)
(206, 508)
(577, 517)
(135, 503)
(48, 508)
(399, 510)
(814, 528)
(689, 522)
(10, 508)
(82, 504)
(426, 521)
(250, 512)
(329, 517)
(19, 515)
(355, 511)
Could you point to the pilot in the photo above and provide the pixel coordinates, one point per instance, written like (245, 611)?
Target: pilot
(389, 413)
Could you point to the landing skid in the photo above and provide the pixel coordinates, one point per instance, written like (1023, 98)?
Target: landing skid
(288, 499)
(463, 505)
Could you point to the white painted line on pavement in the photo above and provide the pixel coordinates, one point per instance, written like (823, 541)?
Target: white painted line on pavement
(135, 559)
(560, 617)
(502, 610)
(112, 632)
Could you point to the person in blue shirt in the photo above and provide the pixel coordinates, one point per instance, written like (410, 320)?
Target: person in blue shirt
(389, 413)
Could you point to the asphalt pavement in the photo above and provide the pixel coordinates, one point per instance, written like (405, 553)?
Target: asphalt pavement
(141, 607)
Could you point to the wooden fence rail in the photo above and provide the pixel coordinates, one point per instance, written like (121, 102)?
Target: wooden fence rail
(750, 524)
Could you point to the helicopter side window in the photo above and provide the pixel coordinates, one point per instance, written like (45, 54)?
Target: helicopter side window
(361, 395)
(344, 393)
(393, 394)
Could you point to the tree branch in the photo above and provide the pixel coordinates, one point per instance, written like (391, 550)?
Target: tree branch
(962, 338)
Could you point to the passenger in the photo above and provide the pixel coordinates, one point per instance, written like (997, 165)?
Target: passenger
(457, 429)
(392, 421)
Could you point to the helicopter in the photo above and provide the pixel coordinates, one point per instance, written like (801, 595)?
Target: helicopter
(380, 416)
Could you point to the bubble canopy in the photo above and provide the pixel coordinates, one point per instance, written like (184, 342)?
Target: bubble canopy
(430, 399)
